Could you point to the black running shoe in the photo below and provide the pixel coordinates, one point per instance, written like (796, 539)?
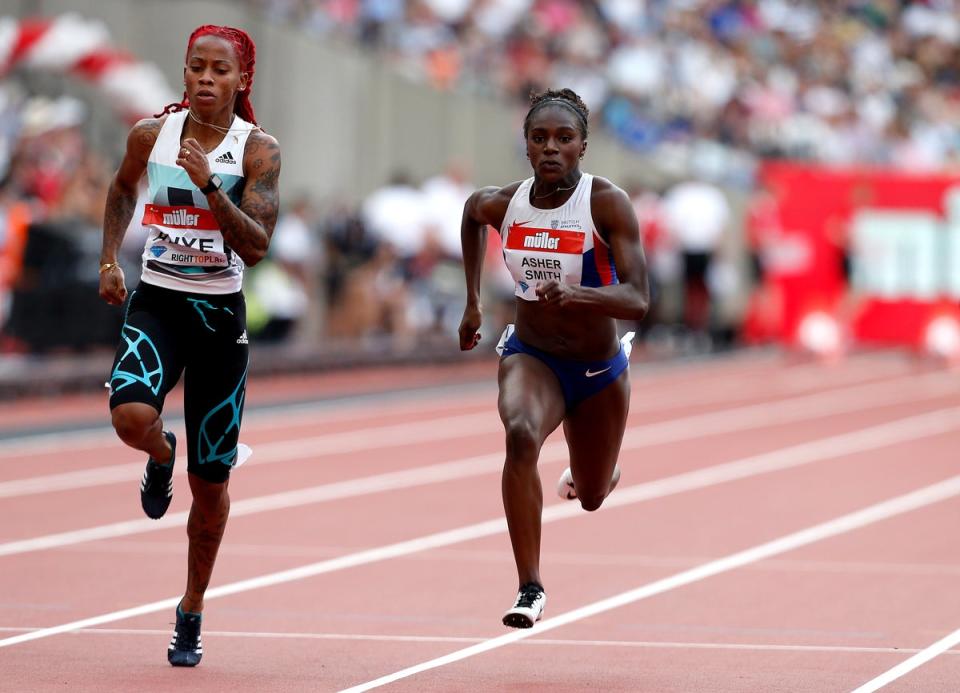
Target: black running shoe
(185, 648)
(528, 609)
(156, 489)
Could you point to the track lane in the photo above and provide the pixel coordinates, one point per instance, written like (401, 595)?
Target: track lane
(378, 596)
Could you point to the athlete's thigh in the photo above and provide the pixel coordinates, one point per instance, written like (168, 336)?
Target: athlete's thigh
(148, 362)
(594, 431)
(215, 382)
(530, 395)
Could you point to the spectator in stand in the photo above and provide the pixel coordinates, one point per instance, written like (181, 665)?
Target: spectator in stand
(443, 198)
(396, 214)
(373, 300)
(696, 215)
(348, 245)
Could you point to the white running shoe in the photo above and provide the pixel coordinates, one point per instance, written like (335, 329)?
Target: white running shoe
(528, 609)
(567, 491)
(565, 488)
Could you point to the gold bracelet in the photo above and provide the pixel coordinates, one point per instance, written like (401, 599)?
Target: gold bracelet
(107, 266)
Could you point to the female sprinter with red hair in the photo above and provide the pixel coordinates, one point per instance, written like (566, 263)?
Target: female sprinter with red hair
(211, 208)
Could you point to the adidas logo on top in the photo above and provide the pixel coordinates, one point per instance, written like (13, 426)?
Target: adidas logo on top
(226, 159)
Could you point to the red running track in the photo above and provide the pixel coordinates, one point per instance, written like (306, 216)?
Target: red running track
(779, 527)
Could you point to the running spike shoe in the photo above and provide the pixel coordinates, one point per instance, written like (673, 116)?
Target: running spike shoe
(156, 488)
(186, 647)
(528, 609)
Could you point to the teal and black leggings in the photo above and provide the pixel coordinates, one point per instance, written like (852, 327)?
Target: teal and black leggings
(167, 333)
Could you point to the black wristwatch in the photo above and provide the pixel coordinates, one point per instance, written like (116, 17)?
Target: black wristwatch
(214, 183)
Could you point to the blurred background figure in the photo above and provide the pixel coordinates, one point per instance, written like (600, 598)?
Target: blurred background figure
(349, 246)
(663, 261)
(763, 231)
(437, 275)
(373, 302)
(696, 215)
(443, 198)
(396, 214)
(55, 189)
(283, 286)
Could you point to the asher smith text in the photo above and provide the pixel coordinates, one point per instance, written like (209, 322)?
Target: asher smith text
(541, 268)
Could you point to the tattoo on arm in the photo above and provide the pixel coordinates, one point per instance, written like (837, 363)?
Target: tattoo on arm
(147, 137)
(122, 195)
(247, 228)
(117, 216)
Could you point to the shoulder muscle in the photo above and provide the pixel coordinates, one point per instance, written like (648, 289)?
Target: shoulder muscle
(610, 205)
(489, 205)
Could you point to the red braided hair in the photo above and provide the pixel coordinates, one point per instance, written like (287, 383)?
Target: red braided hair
(246, 52)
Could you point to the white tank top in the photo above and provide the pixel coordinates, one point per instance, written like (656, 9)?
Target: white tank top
(184, 249)
(561, 243)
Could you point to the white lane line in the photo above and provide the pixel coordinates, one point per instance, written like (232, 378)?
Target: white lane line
(281, 416)
(369, 438)
(733, 388)
(548, 642)
(321, 412)
(899, 505)
(714, 387)
(818, 405)
(498, 557)
(870, 438)
(942, 645)
(860, 440)
(340, 490)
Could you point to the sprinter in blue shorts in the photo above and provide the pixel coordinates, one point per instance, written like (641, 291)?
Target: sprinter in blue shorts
(572, 244)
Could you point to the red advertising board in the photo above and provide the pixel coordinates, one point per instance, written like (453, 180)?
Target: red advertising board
(897, 235)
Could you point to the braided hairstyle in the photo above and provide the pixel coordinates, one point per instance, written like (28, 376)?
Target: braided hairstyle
(246, 52)
(559, 97)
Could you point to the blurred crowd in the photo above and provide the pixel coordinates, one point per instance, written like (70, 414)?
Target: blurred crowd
(709, 86)
(53, 187)
(384, 270)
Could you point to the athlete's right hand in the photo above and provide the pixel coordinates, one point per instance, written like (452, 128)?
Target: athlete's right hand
(469, 327)
(113, 290)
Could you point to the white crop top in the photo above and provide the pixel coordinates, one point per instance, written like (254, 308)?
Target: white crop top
(561, 244)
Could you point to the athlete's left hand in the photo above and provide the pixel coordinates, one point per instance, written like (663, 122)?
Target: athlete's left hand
(193, 160)
(554, 293)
